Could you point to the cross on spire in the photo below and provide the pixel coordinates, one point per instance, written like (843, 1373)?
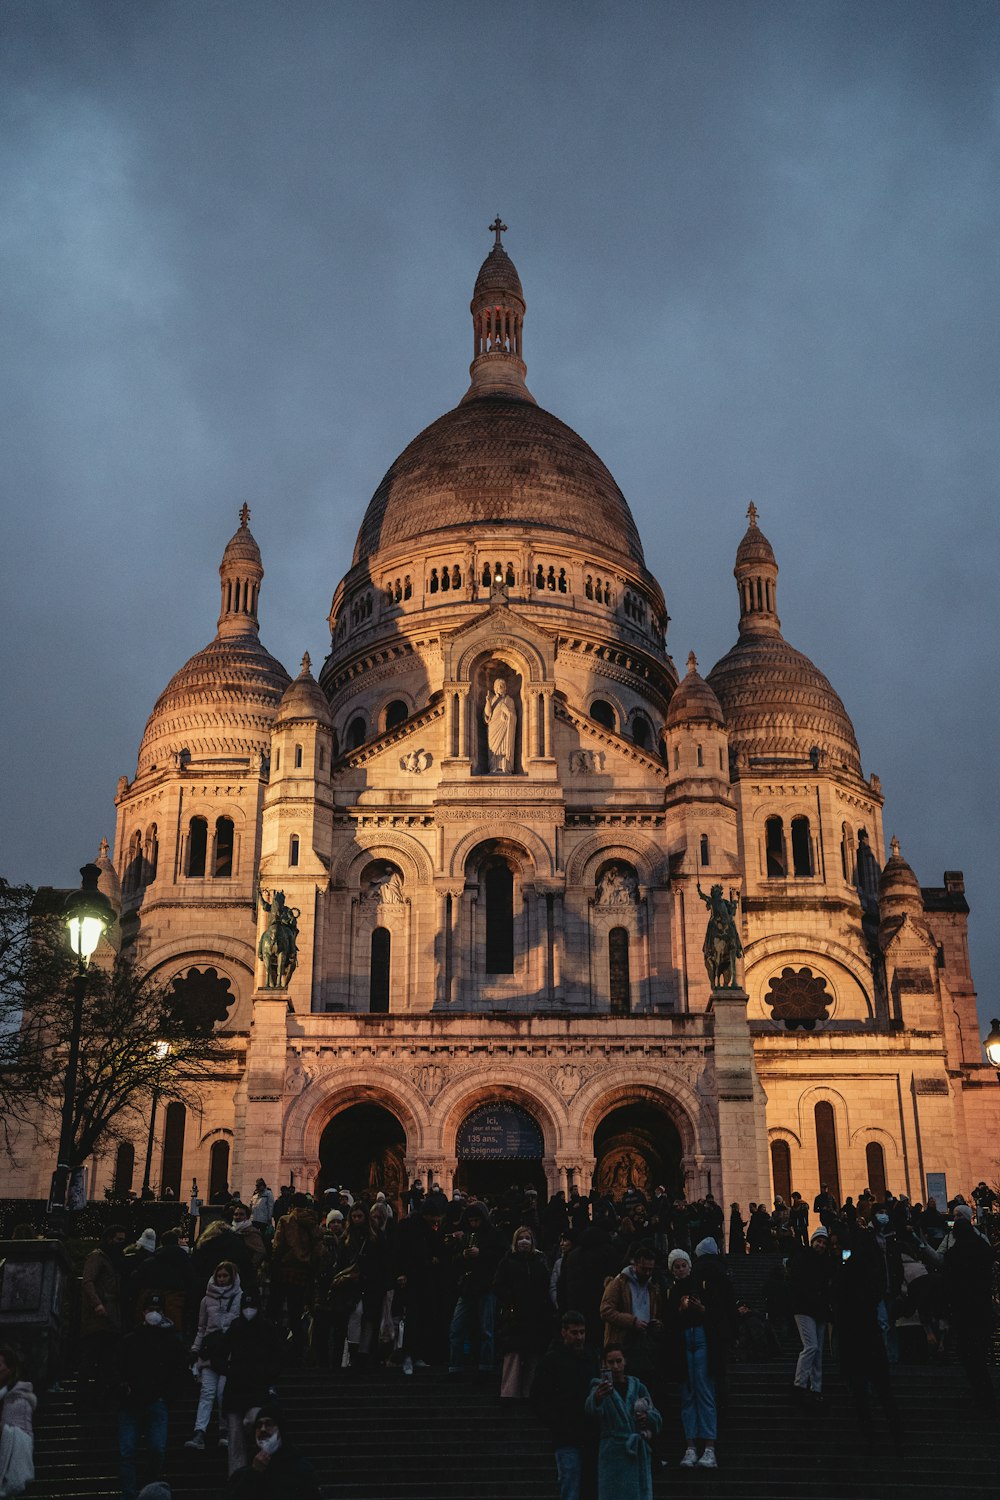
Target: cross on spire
(244, 514)
(752, 513)
(499, 228)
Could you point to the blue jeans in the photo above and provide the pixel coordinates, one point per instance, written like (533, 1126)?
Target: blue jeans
(134, 1422)
(469, 1310)
(698, 1390)
(569, 1468)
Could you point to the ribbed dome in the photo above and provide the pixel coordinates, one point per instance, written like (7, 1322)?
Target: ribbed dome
(220, 705)
(304, 699)
(776, 702)
(693, 701)
(755, 547)
(242, 546)
(898, 888)
(494, 461)
(497, 276)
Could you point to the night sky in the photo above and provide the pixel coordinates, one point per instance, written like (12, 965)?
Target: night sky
(759, 246)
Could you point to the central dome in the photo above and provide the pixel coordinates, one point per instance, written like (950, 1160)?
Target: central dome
(499, 461)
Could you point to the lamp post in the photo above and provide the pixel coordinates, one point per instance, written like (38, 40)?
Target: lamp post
(88, 915)
(160, 1050)
(992, 1046)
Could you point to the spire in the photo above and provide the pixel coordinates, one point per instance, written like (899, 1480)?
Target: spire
(756, 574)
(306, 665)
(497, 309)
(692, 662)
(240, 572)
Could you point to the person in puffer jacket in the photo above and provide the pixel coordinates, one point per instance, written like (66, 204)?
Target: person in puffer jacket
(17, 1411)
(220, 1307)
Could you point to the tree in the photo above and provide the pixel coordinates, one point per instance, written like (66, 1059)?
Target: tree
(138, 1038)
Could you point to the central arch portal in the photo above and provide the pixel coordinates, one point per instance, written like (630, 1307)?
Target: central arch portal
(362, 1148)
(500, 1146)
(638, 1146)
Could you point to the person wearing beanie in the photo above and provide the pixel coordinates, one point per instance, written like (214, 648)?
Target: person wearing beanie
(151, 1368)
(810, 1274)
(159, 1490)
(277, 1470)
(699, 1320)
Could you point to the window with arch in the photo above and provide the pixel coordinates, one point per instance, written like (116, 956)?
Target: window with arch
(701, 756)
(434, 583)
(875, 1163)
(356, 733)
(677, 758)
(588, 587)
(396, 713)
(172, 1160)
(133, 862)
(602, 711)
(774, 848)
(642, 733)
(801, 847)
(826, 1148)
(225, 843)
(124, 1170)
(705, 852)
(293, 850)
(498, 883)
(381, 963)
(218, 1170)
(619, 980)
(298, 757)
(781, 1170)
(847, 863)
(197, 846)
(152, 852)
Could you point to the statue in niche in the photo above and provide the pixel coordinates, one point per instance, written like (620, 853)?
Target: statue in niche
(722, 946)
(617, 887)
(386, 888)
(500, 715)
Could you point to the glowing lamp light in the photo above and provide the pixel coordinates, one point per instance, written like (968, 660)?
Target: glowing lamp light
(992, 1044)
(161, 1049)
(499, 577)
(88, 915)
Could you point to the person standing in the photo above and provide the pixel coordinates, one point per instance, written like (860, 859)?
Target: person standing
(277, 1470)
(559, 1392)
(152, 1363)
(17, 1412)
(253, 1359)
(809, 1278)
(968, 1275)
(631, 1309)
(627, 1422)
(524, 1313)
(100, 1316)
(686, 1320)
(262, 1209)
(474, 1248)
(220, 1307)
(737, 1232)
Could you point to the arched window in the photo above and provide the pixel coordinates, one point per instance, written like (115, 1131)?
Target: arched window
(875, 1162)
(539, 577)
(218, 1169)
(434, 585)
(774, 834)
(562, 581)
(378, 986)
(588, 587)
(356, 733)
(641, 732)
(445, 580)
(677, 757)
(801, 847)
(826, 1148)
(197, 846)
(705, 852)
(847, 864)
(124, 1170)
(618, 972)
(602, 711)
(487, 576)
(298, 757)
(781, 1170)
(293, 850)
(224, 843)
(277, 760)
(152, 852)
(407, 587)
(701, 756)
(396, 713)
(133, 866)
(173, 1149)
(498, 880)
(321, 758)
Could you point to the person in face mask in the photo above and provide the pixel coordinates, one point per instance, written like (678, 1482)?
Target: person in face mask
(525, 1314)
(253, 1359)
(152, 1368)
(277, 1470)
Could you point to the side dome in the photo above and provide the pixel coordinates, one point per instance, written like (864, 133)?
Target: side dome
(775, 701)
(693, 701)
(898, 887)
(304, 699)
(497, 461)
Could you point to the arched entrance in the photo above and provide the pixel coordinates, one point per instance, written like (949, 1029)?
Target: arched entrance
(637, 1146)
(499, 1146)
(362, 1148)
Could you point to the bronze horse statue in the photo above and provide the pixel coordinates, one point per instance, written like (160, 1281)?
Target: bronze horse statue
(722, 946)
(278, 948)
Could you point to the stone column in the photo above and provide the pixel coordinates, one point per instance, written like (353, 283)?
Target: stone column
(740, 1103)
(259, 1152)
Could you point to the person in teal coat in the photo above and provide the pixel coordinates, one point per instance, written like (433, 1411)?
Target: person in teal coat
(627, 1422)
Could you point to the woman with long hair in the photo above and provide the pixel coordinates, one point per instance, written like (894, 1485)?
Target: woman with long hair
(220, 1307)
(524, 1313)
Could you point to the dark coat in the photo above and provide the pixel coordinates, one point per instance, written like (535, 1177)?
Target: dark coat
(101, 1288)
(968, 1275)
(710, 1284)
(810, 1274)
(152, 1364)
(253, 1362)
(287, 1477)
(559, 1390)
(524, 1309)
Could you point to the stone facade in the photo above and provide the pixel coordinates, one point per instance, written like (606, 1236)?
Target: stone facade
(521, 928)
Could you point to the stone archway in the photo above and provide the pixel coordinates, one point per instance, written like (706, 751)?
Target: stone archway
(637, 1146)
(363, 1148)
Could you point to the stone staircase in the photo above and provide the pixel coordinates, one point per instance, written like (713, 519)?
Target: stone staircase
(386, 1437)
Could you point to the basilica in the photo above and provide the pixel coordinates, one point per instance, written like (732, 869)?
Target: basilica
(448, 897)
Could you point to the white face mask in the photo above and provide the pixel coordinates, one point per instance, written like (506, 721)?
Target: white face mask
(154, 1319)
(524, 1244)
(249, 1313)
(270, 1444)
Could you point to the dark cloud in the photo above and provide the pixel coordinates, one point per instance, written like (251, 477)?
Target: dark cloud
(758, 243)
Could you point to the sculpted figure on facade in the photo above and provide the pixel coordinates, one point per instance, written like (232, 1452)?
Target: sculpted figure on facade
(415, 761)
(617, 887)
(722, 946)
(385, 888)
(278, 948)
(586, 762)
(500, 714)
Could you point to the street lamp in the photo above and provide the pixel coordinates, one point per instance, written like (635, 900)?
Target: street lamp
(88, 915)
(992, 1045)
(160, 1051)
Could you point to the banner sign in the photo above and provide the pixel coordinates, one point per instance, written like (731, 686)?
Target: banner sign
(499, 1132)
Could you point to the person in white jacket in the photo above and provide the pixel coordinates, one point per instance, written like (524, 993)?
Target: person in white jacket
(17, 1412)
(220, 1306)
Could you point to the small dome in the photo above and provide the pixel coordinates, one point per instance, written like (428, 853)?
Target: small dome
(108, 883)
(755, 547)
(693, 701)
(242, 546)
(497, 276)
(898, 888)
(304, 699)
(219, 706)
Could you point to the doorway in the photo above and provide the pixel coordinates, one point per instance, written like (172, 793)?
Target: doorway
(363, 1149)
(638, 1146)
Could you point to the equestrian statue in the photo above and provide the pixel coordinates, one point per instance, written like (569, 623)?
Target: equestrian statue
(722, 946)
(278, 948)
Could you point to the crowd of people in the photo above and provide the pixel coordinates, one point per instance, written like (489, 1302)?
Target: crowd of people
(610, 1318)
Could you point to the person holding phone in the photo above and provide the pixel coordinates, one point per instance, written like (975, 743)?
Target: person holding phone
(627, 1422)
